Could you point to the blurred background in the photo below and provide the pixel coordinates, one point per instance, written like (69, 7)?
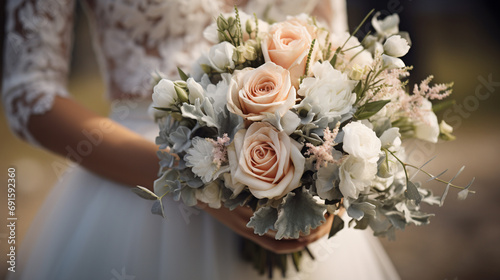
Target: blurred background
(453, 40)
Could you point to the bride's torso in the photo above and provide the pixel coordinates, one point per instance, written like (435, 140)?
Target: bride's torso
(134, 39)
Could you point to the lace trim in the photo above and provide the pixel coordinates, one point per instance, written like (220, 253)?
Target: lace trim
(38, 39)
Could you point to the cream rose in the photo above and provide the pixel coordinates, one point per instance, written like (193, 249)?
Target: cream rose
(287, 45)
(268, 162)
(253, 92)
(361, 142)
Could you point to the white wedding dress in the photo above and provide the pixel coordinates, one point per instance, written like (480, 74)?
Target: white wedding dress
(93, 228)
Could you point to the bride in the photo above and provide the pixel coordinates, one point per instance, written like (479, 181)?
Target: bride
(92, 226)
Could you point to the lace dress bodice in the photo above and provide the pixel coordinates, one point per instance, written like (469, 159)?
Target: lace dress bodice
(132, 39)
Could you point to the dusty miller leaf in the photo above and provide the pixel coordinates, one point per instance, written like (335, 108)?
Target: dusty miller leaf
(263, 220)
(299, 213)
(357, 210)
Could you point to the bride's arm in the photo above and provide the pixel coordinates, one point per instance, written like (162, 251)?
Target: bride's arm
(101, 145)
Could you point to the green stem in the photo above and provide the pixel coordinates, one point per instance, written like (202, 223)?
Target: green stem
(437, 179)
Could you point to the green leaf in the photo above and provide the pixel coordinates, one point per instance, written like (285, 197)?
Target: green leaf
(263, 220)
(183, 75)
(299, 213)
(369, 109)
(337, 225)
(144, 193)
(412, 192)
(157, 208)
(358, 89)
(333, 61)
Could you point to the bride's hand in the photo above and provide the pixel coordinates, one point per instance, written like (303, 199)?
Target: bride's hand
(237, 221)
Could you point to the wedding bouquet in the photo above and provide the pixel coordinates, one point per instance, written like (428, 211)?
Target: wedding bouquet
(296, 122)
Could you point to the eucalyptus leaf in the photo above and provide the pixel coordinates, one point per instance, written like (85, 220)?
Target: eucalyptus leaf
(412, 192)
(367, 110)
(299, 213)
(144, 193)
(157, 208)
(263, 220)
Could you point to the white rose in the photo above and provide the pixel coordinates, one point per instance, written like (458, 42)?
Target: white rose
(428, 128)
(356, 175)
(220, 56)
(361, 142)
(164, 94)
(329, 89)
(267, 161)
(396, 46)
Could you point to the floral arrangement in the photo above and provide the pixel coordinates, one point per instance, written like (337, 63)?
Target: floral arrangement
(296, 122)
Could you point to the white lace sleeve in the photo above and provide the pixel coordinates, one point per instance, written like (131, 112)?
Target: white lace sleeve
(36, 58)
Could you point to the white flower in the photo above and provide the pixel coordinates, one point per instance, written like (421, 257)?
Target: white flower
(356, 175)
(396, 46)
(218, 92)
(195, 90)
(200, 159)
(386, 27)
(353, 52)
(220, 56)
(329, 89)
(361, 142)
(428, 128)
(391, 138)
(164, 94)
(392, 62)
(210, 194)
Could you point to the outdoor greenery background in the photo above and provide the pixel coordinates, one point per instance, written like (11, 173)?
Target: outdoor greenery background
(453, 40)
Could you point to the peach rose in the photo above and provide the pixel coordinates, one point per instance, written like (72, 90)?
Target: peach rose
(267, 88)
(288, 44)
(265, 160)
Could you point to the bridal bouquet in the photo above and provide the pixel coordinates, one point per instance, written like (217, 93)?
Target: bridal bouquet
(296, 122)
